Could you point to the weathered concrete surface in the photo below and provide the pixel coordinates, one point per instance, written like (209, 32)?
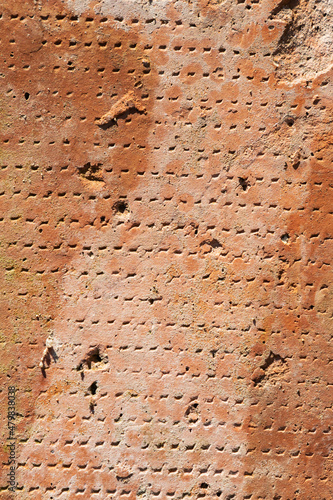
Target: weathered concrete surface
(166, 221)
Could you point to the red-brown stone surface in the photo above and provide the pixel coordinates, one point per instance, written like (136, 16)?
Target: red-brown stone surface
(166, 248)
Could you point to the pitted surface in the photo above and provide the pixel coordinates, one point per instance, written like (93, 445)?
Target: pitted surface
(166, 225)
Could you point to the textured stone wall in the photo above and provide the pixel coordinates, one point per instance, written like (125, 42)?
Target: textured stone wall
(166, 248)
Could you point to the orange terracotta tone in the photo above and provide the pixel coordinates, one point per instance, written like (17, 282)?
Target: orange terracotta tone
(166, 227)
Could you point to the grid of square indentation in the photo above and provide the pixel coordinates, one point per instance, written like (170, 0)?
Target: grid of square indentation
(179, 258)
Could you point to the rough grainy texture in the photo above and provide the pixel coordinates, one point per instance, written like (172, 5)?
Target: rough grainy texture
(166, 248)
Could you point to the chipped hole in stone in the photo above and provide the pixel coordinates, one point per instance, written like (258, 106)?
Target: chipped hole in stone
(103, 220)
(92, 389)
(289, 121)
(26, 95)
(215, 243)
(192, 411)
(93, 360)
(285, 238)
(274, 366)
(243, 182)
(91, 172)
(120, 206)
